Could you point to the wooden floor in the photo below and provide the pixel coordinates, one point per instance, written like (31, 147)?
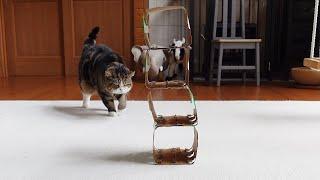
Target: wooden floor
(54, 88)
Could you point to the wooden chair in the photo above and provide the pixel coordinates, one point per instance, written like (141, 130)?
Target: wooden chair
(229, 40)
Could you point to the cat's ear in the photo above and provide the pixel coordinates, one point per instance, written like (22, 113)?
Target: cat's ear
(107, 73)
(132, 73)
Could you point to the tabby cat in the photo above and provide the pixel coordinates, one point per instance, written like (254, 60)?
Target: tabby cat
(102, 72)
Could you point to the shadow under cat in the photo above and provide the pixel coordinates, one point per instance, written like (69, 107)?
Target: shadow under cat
(80, 112)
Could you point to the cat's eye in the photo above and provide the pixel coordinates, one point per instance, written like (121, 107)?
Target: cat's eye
(115, 81)
(127, 83)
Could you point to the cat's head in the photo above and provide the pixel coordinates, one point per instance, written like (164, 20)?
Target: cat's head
(118, 79)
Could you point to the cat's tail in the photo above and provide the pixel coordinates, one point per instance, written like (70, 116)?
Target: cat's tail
(91, 40)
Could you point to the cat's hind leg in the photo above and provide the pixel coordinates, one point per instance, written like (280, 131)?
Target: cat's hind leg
(86, 100)
(87, 92)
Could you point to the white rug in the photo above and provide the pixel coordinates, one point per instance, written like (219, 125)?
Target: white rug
(56, 140)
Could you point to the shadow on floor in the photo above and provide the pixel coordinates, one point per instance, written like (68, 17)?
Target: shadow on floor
(103, 156)
(287, 117)
(80, 112)
(139, 158)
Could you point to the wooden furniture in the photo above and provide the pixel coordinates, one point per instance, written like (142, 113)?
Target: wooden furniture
(202, 25)
(231, 40)
(306, 76)
(3, 57)
(44, 38)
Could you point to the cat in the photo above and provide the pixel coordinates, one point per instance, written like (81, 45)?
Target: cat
(102, 72)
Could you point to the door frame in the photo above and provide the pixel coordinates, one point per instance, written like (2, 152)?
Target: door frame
(3, 52)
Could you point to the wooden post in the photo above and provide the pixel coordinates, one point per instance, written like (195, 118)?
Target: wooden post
(3, 56)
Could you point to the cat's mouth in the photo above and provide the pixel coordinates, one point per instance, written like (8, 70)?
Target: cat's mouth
(122, 90)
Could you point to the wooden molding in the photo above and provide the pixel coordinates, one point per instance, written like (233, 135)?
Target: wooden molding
(68, 28)
(139, 8)
(3, 55)
(128, 32)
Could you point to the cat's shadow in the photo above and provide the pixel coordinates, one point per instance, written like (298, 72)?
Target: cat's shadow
(80, 112)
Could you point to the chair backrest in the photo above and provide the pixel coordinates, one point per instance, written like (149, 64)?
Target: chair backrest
(229, 18)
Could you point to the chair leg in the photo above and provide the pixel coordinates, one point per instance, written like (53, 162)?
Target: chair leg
(258, 63)
(211, 64)
(220, 65)
(244, 63)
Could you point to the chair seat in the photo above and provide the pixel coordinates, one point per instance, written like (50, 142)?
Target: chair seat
(237, 40)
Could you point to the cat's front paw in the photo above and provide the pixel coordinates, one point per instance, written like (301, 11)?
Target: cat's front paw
(112, 114)
(121, 110)
(85, 105)
(122, 107)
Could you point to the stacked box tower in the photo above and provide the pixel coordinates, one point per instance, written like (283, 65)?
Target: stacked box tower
(173, 155)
